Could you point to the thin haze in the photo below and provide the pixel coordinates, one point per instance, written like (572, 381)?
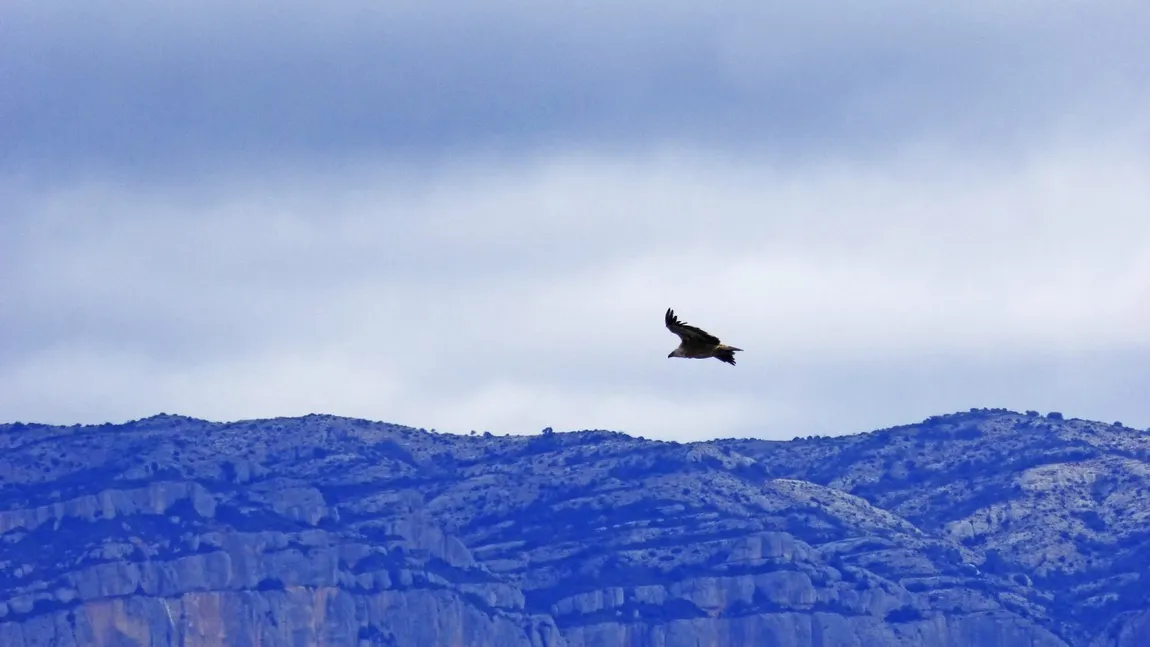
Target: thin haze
(473, 215)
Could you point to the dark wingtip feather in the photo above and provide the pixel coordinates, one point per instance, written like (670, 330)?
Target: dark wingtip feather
(726, 355)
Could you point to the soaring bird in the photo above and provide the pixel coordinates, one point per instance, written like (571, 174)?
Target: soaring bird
(697, 343)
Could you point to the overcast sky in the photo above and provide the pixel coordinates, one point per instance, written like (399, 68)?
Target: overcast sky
(466, 215)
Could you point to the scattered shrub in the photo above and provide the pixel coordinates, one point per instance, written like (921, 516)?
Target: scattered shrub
(904, 614)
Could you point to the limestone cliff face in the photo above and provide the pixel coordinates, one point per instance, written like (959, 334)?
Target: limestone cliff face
(332, 531)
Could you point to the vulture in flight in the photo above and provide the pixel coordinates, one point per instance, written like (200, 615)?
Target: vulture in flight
(697, 343)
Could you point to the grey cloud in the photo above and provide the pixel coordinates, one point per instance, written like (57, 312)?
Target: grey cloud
(196, 86)
(472, 215)
(515, 296)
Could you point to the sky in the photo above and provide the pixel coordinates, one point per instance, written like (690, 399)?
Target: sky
(472, 216)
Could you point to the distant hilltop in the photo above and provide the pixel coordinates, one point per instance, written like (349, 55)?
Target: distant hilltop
(986, 527)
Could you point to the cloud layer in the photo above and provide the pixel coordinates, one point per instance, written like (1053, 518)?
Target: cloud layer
(156, 88)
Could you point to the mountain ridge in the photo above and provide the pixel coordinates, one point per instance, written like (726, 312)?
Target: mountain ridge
(991, 526)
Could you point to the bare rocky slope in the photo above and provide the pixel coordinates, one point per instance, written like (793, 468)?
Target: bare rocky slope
(985, 528)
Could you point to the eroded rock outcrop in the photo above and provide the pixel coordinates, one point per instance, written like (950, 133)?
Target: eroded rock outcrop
(332, 531)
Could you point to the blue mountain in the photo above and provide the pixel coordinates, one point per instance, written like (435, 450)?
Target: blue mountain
(983, 528)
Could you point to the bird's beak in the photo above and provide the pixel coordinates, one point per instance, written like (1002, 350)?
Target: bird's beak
(671, 354)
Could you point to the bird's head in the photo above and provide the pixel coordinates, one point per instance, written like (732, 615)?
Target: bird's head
(678, 352)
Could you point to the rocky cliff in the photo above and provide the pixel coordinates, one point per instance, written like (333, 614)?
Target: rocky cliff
(984, 528)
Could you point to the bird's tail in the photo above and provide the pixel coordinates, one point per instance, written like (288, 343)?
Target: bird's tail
(726, 353)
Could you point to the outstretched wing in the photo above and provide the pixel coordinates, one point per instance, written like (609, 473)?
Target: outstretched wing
(689, 334)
